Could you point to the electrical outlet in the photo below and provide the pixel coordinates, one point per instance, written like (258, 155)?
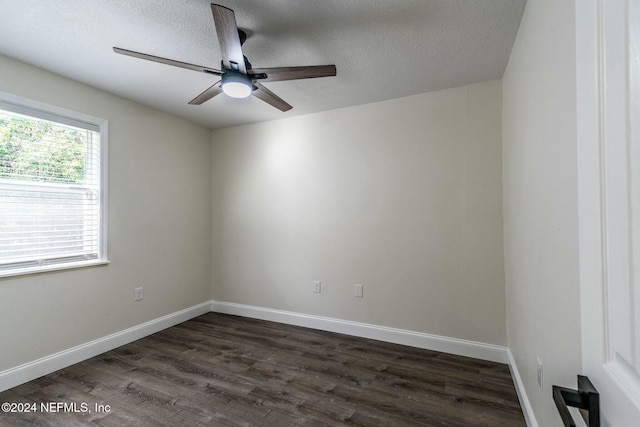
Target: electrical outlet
(317, 286)
(358, 291)
(139, 293)
(540, 373)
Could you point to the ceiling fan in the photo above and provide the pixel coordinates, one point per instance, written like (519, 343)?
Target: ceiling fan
(237, 78)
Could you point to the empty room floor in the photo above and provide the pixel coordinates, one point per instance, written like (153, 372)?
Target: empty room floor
(221, 370)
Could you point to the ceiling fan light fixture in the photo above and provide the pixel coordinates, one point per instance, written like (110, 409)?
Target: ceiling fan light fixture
(236, 84)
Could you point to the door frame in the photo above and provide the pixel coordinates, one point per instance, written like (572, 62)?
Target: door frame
(600, 103)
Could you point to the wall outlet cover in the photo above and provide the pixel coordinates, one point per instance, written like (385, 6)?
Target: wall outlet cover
(358, 291)
(540, 373)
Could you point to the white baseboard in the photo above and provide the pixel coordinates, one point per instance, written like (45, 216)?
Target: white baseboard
(527, 410)
(48, 364)
(478, 350)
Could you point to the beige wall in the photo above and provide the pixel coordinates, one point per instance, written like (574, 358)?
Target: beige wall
(540, 202)
(159, 227)
(403, 196)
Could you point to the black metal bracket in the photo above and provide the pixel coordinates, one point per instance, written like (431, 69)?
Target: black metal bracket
(585, 398)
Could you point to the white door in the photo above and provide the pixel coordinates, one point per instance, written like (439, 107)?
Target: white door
(608, 116)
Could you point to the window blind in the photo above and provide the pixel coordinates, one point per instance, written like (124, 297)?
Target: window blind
(49, 188)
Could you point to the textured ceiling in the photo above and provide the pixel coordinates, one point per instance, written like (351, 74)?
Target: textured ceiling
(382, 49)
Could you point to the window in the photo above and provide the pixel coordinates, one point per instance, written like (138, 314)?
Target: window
(52, 188)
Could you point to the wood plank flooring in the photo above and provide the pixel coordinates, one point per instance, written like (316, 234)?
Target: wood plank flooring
(220, 370)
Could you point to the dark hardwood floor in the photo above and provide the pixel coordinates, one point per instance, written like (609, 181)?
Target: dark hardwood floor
(220, 370)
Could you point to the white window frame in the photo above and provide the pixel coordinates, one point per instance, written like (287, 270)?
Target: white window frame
(50, 112)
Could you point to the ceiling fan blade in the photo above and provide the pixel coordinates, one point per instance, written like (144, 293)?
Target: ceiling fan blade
(270, 98)
(207, 94)
(228, 37)
(167, 61)
(294, 73)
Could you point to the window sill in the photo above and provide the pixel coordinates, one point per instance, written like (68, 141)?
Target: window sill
(50, 268)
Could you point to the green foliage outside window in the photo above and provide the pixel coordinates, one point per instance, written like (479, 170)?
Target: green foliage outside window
(41, 151)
